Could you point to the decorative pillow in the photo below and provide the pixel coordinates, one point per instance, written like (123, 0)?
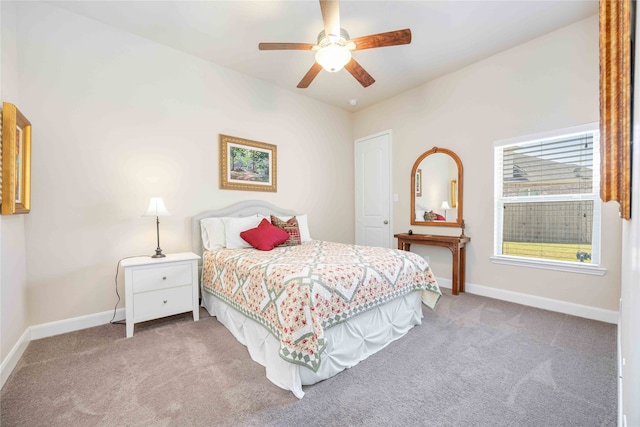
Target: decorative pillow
(303, 226)
(234, 226)
(291, 227)
(430, 216)
(265, 236)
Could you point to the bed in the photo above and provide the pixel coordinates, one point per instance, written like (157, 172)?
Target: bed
(306, 309)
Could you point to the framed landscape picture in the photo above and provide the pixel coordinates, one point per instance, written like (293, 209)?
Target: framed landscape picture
(16, 161)
(247, 165)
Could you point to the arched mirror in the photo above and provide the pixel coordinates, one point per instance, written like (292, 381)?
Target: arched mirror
(436, 187)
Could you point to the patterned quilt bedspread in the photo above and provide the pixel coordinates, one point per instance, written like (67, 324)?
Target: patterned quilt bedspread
(297, 292)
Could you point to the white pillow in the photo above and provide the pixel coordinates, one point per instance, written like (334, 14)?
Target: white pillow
(212, 231)
(419, 215)
(303, 226)
(234, 226)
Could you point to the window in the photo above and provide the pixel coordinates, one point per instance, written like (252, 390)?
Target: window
(547, 203)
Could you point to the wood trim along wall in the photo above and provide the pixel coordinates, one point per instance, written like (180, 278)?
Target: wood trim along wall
(616, 65)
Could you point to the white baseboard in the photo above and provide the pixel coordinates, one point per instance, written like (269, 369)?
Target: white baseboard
(50, 329)
(588, 312)
(14, 356)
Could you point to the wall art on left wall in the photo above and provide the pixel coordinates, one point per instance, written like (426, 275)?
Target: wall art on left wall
(16, 161)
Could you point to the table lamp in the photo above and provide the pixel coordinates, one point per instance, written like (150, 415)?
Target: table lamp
(156, 208)
(445, 206)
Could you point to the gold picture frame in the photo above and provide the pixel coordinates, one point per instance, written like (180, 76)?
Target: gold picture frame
(616, 101)
(16, 161)
(454, 195)
(419, 183)
(247, 165)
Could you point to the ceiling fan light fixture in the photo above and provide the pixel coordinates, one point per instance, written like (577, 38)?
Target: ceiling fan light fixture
(333, 50)
(333, 57)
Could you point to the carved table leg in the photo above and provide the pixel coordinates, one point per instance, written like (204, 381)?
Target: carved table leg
(463, 264)
(455, 276)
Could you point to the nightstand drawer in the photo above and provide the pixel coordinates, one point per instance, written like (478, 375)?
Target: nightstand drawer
(151, 279)
(165, 302)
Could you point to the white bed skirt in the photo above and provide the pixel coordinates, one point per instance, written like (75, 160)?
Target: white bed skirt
(347, 343)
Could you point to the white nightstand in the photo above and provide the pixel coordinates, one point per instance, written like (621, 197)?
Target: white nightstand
(159, 287)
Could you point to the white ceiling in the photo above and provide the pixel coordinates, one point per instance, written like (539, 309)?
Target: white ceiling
(447, 35)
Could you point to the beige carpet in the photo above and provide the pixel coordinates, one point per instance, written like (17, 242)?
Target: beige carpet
(473, 362)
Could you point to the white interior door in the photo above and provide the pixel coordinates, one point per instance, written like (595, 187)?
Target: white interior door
(373, 190)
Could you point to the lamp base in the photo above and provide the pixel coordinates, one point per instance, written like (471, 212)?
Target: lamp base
(158, 254)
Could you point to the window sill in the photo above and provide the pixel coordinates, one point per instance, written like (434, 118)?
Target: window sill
(550, 265)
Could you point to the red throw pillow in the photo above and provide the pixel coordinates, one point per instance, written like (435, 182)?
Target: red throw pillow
(265, 236)
(291, 227)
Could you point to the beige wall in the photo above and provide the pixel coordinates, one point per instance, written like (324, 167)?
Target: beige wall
(546, 84)
(13, 270)
(629, 326)
(117, 119)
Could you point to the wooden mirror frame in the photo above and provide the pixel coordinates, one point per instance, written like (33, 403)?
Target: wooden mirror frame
(459, 221)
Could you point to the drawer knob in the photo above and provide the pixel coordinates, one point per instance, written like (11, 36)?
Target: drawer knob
(165, 301)
(164, 278)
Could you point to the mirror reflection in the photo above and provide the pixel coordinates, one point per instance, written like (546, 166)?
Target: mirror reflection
(436, 186)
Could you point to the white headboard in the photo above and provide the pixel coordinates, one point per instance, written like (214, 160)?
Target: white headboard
(245, 208)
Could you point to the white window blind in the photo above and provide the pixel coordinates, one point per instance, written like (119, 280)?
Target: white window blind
(547, 197)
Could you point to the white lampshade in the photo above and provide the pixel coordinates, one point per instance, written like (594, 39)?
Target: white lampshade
(445, 205)
(333, 57)
(156, 208)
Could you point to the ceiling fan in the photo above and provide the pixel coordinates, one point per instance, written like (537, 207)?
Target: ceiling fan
(333, 50)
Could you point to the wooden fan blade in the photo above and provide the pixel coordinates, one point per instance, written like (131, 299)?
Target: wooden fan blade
(392, 38)
(359, 73)
(311, 74)
(330, 16)
(285, 46)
